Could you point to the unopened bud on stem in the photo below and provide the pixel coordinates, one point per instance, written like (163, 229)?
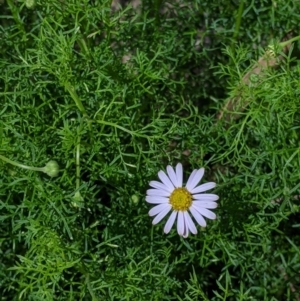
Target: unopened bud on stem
(51, 169)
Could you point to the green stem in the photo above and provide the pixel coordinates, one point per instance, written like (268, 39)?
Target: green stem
(78, 102)
(83, 46)
(77, 160)
(21, 165)
(76, 98)
(122, 128)
(17, 18)
(89, 287)
(283, 44)
(238, 23)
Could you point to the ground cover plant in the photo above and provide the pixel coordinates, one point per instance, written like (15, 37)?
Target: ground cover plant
(97, 97)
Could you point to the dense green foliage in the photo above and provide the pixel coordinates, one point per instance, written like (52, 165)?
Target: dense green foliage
(113, 95)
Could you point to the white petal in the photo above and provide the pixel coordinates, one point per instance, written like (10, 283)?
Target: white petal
(186, 232)
(206, 197)
(203, 187)
(207, 213)
(190, 223)
(157, 192)
(156, 199)
(198, 217)
(179, 174)
(186, 227)
(157, 209)
(203, 204)
(194, 179)
(164, 178)
(180, 223)
(160, 186)
(172, 175)
(191, 177)
(170, 222)
(161, 215)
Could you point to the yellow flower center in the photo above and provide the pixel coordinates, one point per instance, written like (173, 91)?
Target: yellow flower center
(181, 199)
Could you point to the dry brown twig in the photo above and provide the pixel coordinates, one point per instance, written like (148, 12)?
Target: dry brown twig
(236, 105)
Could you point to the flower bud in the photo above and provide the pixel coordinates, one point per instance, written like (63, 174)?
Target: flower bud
(30, 3)
(77, 200)
(135, 199)
(51, 169)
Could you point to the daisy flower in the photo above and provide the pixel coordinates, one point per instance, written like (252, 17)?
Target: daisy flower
(170, 195)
